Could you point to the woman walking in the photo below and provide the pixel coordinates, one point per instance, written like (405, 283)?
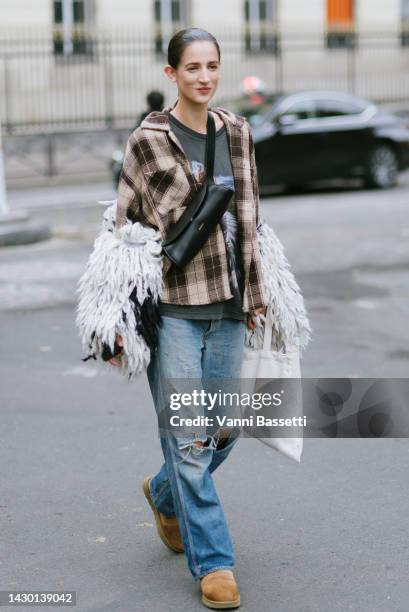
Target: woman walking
(205, 307)
(189, 323)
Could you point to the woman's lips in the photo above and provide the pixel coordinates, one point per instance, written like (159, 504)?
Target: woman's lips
(203, 89)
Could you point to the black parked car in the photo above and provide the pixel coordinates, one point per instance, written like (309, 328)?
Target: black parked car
(313, 135)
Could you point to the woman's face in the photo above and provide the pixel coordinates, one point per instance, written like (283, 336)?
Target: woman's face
(198, 72)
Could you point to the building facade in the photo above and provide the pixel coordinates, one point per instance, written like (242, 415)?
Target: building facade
(94, 60)
(288, 15)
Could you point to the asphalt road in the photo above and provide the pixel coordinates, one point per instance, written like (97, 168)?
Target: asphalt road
(329, 534)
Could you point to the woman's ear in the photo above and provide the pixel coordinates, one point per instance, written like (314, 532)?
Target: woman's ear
(170, 73)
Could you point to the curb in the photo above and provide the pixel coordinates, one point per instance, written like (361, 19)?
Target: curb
(13, 234)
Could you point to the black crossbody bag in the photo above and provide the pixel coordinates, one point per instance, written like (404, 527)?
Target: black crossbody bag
(203, 213)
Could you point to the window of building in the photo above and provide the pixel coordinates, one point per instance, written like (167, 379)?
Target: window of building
(170, 16)
(261, 27)
(340, 23)
(72, 23)
(405, 23)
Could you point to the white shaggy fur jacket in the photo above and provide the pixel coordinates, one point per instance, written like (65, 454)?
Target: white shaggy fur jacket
(124, 274)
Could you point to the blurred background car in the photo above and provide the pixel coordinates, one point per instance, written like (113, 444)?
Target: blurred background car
(310, 136)
(313, 135)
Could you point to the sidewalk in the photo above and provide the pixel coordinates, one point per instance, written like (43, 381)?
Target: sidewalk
(55, 197)
(45, 274)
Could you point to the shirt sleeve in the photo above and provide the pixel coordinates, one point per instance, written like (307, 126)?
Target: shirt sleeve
(257, 297)
(130, 189)
(129, 186)
(254, 177)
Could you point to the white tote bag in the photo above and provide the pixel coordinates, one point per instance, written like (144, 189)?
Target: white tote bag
(265, 363)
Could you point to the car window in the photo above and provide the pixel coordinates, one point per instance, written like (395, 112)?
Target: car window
(251, 106)
(303, 109)
(337, 108)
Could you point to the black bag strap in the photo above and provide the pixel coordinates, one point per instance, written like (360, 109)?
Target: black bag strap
(210, 147)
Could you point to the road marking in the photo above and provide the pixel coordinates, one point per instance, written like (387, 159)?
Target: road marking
(366, 304)
(84, 371)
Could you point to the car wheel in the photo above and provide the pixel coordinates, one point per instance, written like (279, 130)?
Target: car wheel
(382, 169)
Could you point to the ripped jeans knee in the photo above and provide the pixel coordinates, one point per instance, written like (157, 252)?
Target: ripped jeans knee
(196, 445)
(193, 446)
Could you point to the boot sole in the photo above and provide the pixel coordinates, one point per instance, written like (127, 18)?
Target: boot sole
(220, 605)
(147, 493)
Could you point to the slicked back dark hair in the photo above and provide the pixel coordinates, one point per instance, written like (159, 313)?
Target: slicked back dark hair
(183, 39)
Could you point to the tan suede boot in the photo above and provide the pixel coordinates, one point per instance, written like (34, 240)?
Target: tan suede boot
(220, 590)
(168, 527)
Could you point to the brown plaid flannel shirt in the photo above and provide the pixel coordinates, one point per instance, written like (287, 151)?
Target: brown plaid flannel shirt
(155, 186)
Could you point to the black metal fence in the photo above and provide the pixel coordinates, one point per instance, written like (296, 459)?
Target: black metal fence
(104, 83)
(32, 159)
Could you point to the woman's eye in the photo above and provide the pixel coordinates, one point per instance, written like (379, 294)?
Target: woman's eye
(193, 68)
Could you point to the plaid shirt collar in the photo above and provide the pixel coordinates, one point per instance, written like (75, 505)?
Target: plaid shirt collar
(159, 120)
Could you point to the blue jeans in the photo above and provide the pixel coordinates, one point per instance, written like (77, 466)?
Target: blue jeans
(184, 487)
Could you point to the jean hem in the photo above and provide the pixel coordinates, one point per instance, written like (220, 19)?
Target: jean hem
(213, 569)
(157, 497)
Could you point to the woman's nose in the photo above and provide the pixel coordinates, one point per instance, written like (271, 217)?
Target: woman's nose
(204, 77)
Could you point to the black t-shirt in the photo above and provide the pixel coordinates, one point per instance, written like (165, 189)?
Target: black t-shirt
(194, 146)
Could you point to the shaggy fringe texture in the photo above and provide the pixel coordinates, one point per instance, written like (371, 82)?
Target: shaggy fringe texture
(129, 261)
(291, 326)
(122, 261)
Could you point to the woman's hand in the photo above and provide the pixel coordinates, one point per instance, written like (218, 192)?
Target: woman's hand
(116, 361)
(252, 316)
